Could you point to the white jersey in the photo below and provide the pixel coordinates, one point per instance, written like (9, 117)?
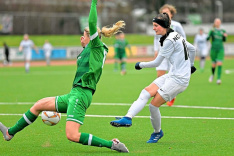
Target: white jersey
(177, 27)
(201, 44)
(47, 47)
(27, 46)
(177, 51)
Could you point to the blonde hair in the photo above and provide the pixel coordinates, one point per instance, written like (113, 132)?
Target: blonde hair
(170, 7)
(108, 32)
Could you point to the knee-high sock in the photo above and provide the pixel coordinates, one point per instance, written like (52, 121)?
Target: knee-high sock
(123, 66)
(155, 117)
(89, 139)
(213, 70)
(116, 65)
(219, 72)
(24, 121)
(202, 63)
(139, 104)
(27, 66)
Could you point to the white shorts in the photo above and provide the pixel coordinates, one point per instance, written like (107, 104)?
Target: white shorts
(165, 65)
(28, 56)
(168, 89)
(203, 52)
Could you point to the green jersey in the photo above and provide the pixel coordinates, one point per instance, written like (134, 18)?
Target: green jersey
(120, 46)
(217, 38)
(91, 60)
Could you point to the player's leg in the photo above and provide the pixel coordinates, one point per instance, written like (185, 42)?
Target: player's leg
(136, 107)
(139, 104)
(47, 58)
(166, 92)
(161, 72)
(220, 58)
(73, 134)
(28, 56)
(29, 117)
(203, 55)
(213, 56)
(123, 64)
(202, 63)
(116, 57)
(79, 101)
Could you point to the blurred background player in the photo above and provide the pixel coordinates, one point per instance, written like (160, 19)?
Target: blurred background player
(47, 47)
(176, 26)
(217, 36)
(89, 70)
(6, 53)
(26, 46)
(120, 46)
(201, 44)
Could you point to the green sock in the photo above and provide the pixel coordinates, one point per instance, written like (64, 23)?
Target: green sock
(24, 121)
(219, 72)
(116, 66)
(123, 66)
(89, 139)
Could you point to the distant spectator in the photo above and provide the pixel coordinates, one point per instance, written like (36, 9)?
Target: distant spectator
(47, 47)
(6, 53)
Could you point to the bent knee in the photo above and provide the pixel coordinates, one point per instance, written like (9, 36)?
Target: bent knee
(75, 137)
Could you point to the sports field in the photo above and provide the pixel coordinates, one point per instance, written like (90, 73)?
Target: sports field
(201, 122)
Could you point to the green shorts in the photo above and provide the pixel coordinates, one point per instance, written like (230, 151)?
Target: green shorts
(74, 104)
(120, 55)
(217, 55)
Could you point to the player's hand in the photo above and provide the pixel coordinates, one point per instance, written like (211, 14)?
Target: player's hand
(137, 66)
(193, 69)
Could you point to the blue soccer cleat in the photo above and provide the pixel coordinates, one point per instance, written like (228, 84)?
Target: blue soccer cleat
(155, 137)
(122, 122)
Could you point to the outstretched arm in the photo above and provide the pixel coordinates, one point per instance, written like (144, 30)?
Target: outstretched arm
(93, 20)
(154, 63)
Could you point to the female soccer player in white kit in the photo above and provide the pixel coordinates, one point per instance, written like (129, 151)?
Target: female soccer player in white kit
(176, 26)
(47, 47)
(181, 55)
(201, 44)
(26, 46)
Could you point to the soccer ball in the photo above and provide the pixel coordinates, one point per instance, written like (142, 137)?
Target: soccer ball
(50, 118)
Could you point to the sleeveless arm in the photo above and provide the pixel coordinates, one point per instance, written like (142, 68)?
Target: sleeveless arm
(93, 20)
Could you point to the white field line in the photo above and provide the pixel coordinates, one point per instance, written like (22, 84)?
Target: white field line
(127, 104)
(229, 71)
(165, 117)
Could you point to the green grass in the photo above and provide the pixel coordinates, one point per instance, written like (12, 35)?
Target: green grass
(182, 136)
(74, 40)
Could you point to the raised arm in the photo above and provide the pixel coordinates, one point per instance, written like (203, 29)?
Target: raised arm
(93, 20)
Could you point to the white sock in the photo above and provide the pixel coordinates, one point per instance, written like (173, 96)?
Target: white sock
(139, 104)
(27, 66)
(202, 63)
(155, 117)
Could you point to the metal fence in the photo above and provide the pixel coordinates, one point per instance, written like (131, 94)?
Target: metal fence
(60, 23)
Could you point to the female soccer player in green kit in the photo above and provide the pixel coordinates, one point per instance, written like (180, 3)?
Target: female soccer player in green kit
(120, 53)
(89, 69)
(218, 36)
